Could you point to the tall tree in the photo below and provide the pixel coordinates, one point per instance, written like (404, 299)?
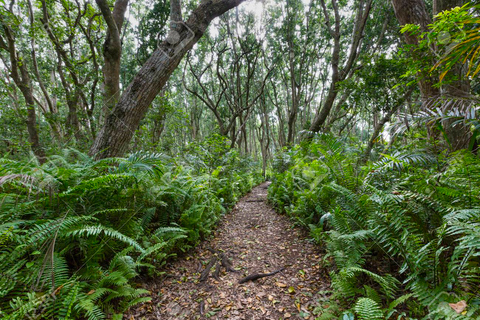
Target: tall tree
(340, 72)
(112, 52)
(120, 125)
(21, 78)
(415, 12)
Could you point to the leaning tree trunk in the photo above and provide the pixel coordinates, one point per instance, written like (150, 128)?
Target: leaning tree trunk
(378, 127)
(341, 73)
(120, 125)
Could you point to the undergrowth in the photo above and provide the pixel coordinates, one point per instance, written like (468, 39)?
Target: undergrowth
(75, 233)
(402, 234)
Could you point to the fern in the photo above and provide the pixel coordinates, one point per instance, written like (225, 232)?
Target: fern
(82, 230)
(97, 230)
(367, 309)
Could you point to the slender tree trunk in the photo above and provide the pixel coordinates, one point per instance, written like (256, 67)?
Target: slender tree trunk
(292, 115)
(281, 128)
(52, 109)
(112, 53)
(378, 126)
(22, 80)
(32, 127)
(338, 74)
(459, 135)
(72, 124)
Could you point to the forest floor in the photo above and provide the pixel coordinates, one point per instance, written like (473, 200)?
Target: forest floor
(256, 240)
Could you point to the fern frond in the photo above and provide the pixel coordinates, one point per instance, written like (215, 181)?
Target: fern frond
(367, 309)
(96, 230)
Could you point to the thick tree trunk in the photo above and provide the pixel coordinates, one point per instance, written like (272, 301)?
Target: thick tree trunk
(459, 136)
(120, 125)
(415, 12)
(441, 5)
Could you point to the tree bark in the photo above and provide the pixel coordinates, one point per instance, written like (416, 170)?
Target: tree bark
(72, 124)
(338, 74)
(460, 135)
(52, 109)
(415, 12)
(120, 125)
(295, 87)
(22, 80)
(112, 53)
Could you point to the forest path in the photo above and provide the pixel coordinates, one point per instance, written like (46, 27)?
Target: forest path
(256, 240)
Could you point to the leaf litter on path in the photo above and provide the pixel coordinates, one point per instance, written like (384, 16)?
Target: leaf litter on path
(256, 240)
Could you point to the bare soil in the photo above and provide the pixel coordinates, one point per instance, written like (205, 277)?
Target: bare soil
(256, 240)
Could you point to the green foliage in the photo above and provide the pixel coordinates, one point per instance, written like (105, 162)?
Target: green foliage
(76, 232)
(367, 309)
(453, 38)
(457, 32)
(403, 230)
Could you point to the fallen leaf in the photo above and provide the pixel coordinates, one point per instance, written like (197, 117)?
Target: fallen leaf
(459, 307)
(263, 309)
(281, 285)
(287, 315)
(291, 290)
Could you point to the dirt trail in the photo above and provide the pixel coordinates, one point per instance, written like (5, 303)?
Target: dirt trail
(256, 240)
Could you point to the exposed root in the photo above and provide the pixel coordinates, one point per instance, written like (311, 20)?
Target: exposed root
(216, 274)
(257, 276)
(223, 261)
(226, 263)
(206, 272)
